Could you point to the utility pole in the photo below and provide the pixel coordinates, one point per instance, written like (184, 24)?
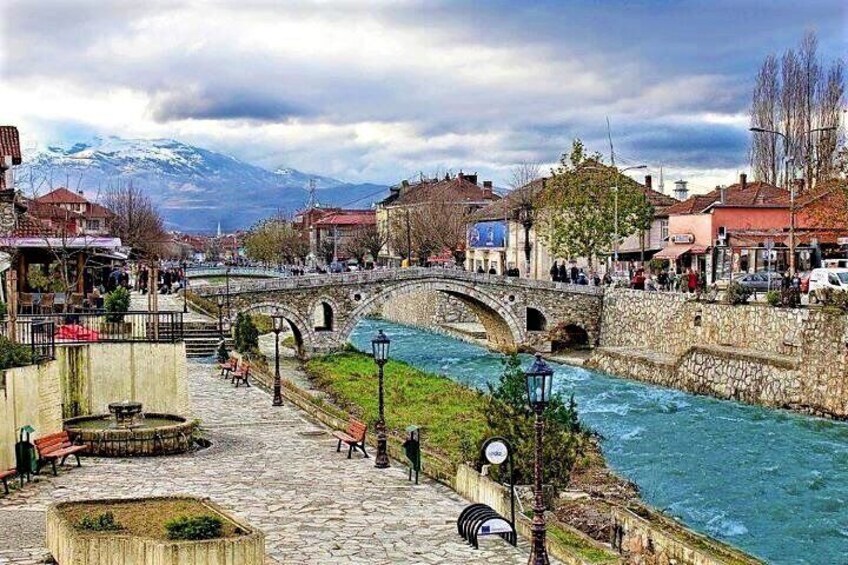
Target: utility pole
(312, 195)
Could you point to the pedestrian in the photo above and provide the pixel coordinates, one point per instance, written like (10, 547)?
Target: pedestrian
(692, 280)
(554, 272)
(575, 272)
(607, 279)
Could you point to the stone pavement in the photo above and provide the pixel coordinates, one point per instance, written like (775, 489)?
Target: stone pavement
(167, 303)
(279, 472)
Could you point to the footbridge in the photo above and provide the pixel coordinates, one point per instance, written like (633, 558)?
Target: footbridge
(323, 309)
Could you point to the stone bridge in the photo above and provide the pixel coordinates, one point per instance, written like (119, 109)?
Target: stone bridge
(322, 310)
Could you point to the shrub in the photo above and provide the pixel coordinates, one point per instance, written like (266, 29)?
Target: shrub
(4, 310)
(103, 523)
(736, 294)
(247, 336)
(194, 528)
(13, 354)
(263, 323)
(509, 415)
(773, 298)
(831, 299)
(116, 304)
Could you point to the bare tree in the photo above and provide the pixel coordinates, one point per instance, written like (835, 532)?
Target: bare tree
(797, 97)
(524, 173)
(366, 240)
(136, 221)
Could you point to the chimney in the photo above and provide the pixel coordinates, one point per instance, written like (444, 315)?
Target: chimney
(487, 189)
(648, 182)
(471, 178)
(722, 192)
(743, 180)
(681, 192)
(80, 192)
(6, 171)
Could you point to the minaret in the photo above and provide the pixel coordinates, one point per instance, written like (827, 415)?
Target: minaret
(219, 229)
(662, 183)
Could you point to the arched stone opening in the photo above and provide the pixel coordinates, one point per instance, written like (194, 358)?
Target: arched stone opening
(322, 317)
(536, 321)
(503, 330)
(301, 331)
(566, 337)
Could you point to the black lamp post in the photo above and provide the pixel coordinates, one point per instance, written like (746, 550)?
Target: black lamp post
(540, 378)
(525, 216)
(220, 312)
(380, 347)
(277, 320)
(227, 279)
(185, 288)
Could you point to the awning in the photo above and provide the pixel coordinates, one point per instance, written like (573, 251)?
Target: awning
(672, 252)
(698, 250)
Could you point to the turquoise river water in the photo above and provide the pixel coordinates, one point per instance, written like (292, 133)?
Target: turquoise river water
(770, 482)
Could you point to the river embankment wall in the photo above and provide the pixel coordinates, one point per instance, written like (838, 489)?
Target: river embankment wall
(755, 353)
(83, 380)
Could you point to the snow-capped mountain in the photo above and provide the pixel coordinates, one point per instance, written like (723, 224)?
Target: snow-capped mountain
(194, 188)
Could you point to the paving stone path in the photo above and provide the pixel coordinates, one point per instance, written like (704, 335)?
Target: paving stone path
(278, 471)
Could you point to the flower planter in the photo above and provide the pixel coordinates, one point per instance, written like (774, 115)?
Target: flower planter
(70, 545)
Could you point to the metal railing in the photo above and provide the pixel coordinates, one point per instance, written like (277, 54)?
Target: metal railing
(390, 275)
(100, 327)
(42, 340)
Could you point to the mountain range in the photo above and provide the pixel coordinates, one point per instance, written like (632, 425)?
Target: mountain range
(194, 188)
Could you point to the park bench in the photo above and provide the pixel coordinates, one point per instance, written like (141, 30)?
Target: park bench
(54, 447)
(240, 374)
(5, 476)
(228, 366)
(353, 436)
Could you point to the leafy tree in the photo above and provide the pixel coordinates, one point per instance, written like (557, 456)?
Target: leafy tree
(579, 204)
(247, 336)
(274, 241)
(509, 415)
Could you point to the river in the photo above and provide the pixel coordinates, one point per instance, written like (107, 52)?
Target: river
(770, 482)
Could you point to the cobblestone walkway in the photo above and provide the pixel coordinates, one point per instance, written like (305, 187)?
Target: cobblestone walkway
(279, 472)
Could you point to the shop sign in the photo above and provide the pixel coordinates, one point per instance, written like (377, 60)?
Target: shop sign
(683, 238)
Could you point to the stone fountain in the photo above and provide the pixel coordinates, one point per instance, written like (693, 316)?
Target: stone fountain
(127, 414)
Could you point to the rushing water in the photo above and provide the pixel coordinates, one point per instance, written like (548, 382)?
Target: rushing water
(770, 482)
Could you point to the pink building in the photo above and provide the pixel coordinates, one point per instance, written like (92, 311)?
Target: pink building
(741, 227)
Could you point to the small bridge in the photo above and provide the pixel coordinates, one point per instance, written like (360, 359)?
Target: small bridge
(323, 309)
(254, 272)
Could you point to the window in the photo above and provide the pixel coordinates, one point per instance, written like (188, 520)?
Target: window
(663, 230)
(93, 224)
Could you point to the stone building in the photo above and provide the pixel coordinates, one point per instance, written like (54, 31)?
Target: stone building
(331, 229)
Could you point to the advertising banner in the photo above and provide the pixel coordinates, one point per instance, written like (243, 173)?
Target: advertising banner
(487, 235)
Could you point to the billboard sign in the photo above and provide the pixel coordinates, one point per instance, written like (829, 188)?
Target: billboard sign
(487, 235)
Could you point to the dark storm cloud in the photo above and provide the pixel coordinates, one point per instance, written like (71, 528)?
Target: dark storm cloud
(225, 105)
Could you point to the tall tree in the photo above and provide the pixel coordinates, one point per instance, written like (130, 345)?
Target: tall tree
(797, 96)
(365, 241)
(136, 221)
(578, 218)
(274, 241)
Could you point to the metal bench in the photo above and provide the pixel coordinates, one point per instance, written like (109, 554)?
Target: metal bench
(240, 374)
(353, 436)
(5, 476)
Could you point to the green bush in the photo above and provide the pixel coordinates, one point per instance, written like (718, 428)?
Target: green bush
(194, 528)
(103, 523)
(116, 304)
(832, 299)
(736, 294)
(4, 310)
(773, 298)
(13, 354)
(247, 336)
(263, 323)
(508, 415)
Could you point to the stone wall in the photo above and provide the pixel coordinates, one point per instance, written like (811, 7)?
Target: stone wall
(83, 380)
(426, 309)
(790, 358)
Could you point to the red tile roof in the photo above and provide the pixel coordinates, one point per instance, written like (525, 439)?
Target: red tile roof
(754, 195)
(10, 143)
(30, 226)
(349, 218)
(457, 189)
(62, 196)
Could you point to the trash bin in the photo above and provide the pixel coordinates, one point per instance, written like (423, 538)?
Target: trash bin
(412, 448)
(26, 458)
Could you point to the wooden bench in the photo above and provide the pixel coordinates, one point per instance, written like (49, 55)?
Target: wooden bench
(240, 374)
(54, 447)
(5, 476)
(353, 436)
(228, 366)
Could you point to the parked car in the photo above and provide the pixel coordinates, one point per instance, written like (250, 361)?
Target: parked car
(757, 282)
(836, 279)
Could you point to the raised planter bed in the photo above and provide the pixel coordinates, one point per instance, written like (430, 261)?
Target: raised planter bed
(143, 539)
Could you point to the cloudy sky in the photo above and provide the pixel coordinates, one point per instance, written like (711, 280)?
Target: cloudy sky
(375, 91)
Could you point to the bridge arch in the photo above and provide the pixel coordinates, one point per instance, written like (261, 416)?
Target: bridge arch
(301, 327)
(504, 330)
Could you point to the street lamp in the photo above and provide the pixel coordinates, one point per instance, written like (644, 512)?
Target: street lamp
(220, 320)
(791, 185)
(525, 216)
(540, 378)
(227, 279)
(615, 191)
(380, 347)
(277, 320)
(185, 288)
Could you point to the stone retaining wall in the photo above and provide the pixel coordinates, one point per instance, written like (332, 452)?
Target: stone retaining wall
(428, 309)
(789, 358)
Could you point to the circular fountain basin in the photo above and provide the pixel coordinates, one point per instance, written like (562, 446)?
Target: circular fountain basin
(155, 434)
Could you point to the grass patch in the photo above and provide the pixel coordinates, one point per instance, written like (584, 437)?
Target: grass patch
(451, 416)
(143, 518)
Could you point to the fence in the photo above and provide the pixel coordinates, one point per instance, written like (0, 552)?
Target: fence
(46, 331)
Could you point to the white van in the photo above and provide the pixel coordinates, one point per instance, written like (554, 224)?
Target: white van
(836, 279)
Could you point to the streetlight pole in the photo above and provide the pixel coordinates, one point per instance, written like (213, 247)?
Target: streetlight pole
(791, 184)
(220, 301)
(277, 320)
(526, 217)
(227, 279)
(615, 191)
(380, 347)
(185, 288)
(539, 379)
